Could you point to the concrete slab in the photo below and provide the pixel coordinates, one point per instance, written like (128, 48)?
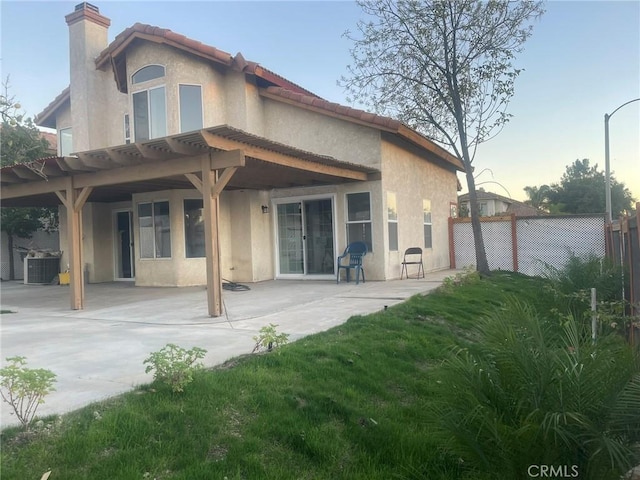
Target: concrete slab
(98, 352)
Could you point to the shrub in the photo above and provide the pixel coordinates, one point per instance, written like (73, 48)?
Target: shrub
(268, 338)
(174, 365)
(535, 393)
(25, 388)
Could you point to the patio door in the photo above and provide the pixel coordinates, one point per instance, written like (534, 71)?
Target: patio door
(123, 243)
(305, 237)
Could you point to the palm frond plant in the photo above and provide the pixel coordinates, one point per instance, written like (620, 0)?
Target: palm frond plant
(537, 391)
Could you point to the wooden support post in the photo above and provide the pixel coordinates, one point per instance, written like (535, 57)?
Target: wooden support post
(514, 241)
(211, 239)
(452, 251)
(211, 186)
(74, 200)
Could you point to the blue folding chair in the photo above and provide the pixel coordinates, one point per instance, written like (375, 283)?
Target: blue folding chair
(355, 251)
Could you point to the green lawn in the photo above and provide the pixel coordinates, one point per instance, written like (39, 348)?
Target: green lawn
(351, 403)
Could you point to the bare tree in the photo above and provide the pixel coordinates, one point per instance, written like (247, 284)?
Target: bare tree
(445, 68)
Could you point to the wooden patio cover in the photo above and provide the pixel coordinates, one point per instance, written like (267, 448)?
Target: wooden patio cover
(210, 160)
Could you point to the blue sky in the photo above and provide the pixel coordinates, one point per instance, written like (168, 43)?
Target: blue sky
(582, 61)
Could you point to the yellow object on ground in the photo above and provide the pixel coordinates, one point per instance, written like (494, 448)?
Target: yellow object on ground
(64, 277)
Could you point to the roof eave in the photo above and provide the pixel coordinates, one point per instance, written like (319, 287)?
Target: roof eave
(47, 118)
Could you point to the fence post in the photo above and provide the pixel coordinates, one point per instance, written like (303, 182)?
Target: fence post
(594, 315)
(452, 252)
(514, 242)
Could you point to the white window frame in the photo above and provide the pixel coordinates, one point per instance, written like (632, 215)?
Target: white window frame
(180, 105)
(153, 221)
(352, 222)
(60, 142)
(126, 128)
(149, 112)
(392, 219)
(164, 73)
(427, 221)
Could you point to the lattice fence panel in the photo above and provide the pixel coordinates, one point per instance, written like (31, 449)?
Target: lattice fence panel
(497, 244)
(542, 242)
(551, 241)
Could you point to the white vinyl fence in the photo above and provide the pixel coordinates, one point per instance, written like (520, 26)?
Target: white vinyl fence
(528, 244)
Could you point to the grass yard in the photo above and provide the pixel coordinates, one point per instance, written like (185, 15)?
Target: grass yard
(355, 402)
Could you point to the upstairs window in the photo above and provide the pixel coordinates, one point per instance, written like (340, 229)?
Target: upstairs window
(150, 105)
(150, 114)
(190, 107)
(150, 72)
(65, 141)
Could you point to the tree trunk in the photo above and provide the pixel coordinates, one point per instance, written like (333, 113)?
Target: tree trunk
(482, 265)
(12, 275)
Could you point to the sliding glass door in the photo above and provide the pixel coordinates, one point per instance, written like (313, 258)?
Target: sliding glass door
(305, 237)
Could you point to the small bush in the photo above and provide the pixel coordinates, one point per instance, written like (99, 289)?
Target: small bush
(468, 276)
(174, 365)
(533, 392)
(25, 388)
(269, 338)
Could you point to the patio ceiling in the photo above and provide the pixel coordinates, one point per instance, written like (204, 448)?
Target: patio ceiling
(116, 173)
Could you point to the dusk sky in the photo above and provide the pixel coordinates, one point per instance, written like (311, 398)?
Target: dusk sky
(582, 61)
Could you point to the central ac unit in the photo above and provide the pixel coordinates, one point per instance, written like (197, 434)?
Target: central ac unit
(40, 270)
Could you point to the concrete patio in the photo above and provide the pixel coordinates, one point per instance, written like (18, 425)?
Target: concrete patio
(98, 352)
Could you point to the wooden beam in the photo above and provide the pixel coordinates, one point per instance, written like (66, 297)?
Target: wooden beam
(150, 154)
(95, 162)
(25, 173)
(78, 164)
(134, 173)
(121, 158)
(222, 143)
(222, 181)
(81, 198)
(193, 178)
(63, 197)
(184, 148)
(33, 188)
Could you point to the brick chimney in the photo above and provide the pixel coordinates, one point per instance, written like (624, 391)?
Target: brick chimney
(88, 31)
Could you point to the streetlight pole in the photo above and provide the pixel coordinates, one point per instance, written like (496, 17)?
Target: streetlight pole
(607, 167)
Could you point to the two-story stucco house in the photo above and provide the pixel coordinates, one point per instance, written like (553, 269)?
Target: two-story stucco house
(180, 164)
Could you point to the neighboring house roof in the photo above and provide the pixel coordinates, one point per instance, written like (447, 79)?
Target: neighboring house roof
(272, 85)
(514, 206)
(52, 139)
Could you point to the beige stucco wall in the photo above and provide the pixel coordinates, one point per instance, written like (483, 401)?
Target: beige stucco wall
(321, 134)
(413, 179)
(97, 240)
(244, 233)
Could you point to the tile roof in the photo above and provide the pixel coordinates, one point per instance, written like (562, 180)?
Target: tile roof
(168, 37)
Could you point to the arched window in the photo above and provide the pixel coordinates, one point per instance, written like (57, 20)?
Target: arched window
(149, 105)
(147, 73)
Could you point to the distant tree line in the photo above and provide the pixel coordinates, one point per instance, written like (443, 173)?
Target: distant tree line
(580, 190)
